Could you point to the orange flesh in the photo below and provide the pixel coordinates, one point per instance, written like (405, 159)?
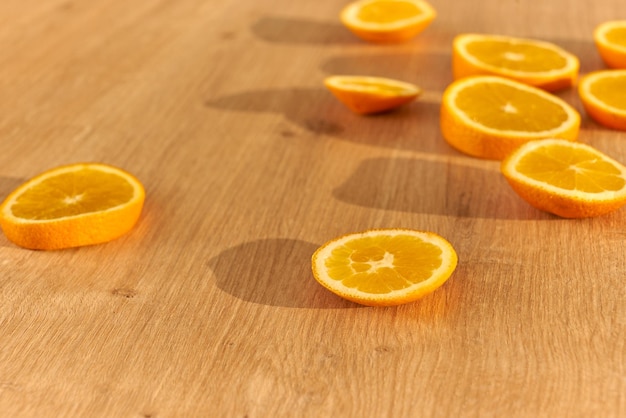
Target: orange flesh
(383, 264)
(610, 90)
(513, 56)
(381, 88)
(617, 36)
(57, 197)
(571, 170)
(491, 106)
(388, 12)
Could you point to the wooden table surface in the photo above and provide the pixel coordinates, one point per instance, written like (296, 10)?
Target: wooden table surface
(208, 308)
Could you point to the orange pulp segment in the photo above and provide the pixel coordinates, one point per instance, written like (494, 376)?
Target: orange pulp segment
(384, 267)
(387, 20)
(610, 40)
(603, 94)
(73, 205)
(490, 116)
(537, 63)
(367, 95)
(568, 179)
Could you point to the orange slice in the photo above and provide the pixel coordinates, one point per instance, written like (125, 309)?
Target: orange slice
(537, 63)
(71, 206)
(490, 116)
(387, 20)
(366, 95)
(384, 267)
(603, 94)
(610, 40)
(568, 179)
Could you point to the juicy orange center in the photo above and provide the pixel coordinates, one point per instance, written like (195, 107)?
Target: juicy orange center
(383, 264)
(502, 107)
(571, 169)
(517, 56)
(72, 193)
(388, 11)
(610, 90)
(617, 36)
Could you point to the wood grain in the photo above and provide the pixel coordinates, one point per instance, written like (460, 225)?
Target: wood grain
(209, 308)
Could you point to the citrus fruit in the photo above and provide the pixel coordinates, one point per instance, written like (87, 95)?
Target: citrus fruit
(387, 20)
(610, 40)
(603, 95)
(490, 116)
(537, 63)
(568, 179)
(71, 206)
(366, 95)
(384, 267)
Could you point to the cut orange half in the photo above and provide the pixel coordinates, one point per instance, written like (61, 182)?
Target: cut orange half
(384, 267)
(537, 63)
(71, 206)
(610, 39)
(366, 95)
(568, 179)
(490, 116)
(387, 20)
(603, 94)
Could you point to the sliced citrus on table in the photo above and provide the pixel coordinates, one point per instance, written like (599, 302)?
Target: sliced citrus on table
(537, 63)
(610, 40)
(603, 95)
(568, 179)
(490, 116)
(71, 206)
(384, 267)
(367, 95)
(387, 20)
